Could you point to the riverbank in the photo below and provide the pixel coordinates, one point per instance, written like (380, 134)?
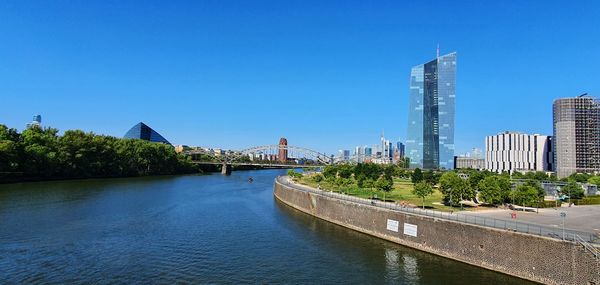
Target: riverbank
(531, 257)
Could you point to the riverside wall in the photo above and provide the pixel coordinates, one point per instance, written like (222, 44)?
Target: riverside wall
(531, 257)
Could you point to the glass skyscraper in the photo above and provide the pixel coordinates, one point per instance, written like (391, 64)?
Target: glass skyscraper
(430, 137)
(143, 132)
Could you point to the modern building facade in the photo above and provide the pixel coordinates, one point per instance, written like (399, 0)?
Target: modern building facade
(430, 133)
(282, 154)
(512, 151)
(400, 149)
(37, 121)
(143, 132)
(344, 155)
(359, 153)
(465, 162)
(577, 135)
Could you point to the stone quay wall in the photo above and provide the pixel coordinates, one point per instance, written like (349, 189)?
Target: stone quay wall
(536, 258)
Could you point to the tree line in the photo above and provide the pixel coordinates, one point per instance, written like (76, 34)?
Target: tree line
(42, 153)
(455, 185)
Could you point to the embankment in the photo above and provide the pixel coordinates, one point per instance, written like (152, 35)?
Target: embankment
(531, 257)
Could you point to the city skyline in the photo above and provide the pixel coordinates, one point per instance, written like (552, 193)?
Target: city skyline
(80, 72)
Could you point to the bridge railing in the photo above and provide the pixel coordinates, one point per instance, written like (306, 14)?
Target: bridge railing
(508, 225)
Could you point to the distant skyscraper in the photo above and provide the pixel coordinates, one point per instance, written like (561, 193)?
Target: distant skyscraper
(359, 153)
(368, 151)
(283, 152)
(344, 154)
(143, 132)
(576, 135)
(430, 136)
(37, 121)
(400, 149)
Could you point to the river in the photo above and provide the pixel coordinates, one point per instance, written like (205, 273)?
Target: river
(196, 229)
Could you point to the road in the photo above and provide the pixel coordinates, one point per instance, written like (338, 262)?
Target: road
(580, 218)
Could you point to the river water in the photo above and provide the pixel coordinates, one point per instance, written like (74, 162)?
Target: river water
(196, 229)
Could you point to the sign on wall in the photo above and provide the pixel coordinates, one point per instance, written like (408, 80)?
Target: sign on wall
(392, 225)
(410, 229)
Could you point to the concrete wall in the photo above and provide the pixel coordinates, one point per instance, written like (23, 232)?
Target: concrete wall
(530, 257)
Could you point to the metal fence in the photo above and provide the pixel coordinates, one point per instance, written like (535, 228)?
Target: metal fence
(509, 225)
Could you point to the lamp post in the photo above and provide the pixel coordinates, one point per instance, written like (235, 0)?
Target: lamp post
(563, 215)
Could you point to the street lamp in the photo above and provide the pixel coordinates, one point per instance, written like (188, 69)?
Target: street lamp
(563, 215)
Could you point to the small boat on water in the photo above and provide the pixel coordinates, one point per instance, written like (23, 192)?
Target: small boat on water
(250, 179)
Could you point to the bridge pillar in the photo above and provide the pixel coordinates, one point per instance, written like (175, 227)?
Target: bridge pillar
(226, 169)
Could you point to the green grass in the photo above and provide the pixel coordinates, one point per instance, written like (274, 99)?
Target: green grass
(402, 192)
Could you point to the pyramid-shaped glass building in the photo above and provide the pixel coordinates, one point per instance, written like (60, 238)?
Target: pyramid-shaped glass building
(143, 132)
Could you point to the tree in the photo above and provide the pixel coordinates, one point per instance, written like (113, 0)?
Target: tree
(422, 190)
(455, 189)
(330, 171)
(385, 184)
(579, 177)
(416, 176)
(525, 195)
(594, 180)
(345, 170)
(489, 190)
(10, 149)
(77, 154)
(318, 177)
(369, 183)
(573, 190)
(360, 179)
(431, 177)
(475, 177)
(295, 175)
(538, 188)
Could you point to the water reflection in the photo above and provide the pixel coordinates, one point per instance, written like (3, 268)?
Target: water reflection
(194, 229)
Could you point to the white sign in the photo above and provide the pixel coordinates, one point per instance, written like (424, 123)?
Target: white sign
(392, 225)
(410, 230)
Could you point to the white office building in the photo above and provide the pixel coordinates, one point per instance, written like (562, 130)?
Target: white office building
(512, 151)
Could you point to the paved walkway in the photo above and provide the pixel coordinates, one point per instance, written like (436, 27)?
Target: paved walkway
(580, 218)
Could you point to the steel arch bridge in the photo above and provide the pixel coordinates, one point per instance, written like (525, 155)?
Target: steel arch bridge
(262, 152)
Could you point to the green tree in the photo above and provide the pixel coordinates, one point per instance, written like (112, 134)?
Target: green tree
(10, 149)
(416, 176)
(431, 177)
(475, 177)
(79, 154)
(369, 183)
(41, 151)
(422, 190)
(490, 191)
(360, 179)
(594, 180)
(330, 171)
(573, 190)
(579, 177)
(525, 195)
(455, 189)
(345, 170)
(295, 175)
(385, 184)
(318, 177)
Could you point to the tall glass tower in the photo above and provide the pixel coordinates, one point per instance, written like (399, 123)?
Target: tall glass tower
(430, 137)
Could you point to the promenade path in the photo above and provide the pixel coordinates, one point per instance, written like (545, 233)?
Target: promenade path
(579, 218)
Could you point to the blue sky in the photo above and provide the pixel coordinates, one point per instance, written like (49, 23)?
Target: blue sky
(325, 74)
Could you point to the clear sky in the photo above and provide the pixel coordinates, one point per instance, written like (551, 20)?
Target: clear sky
(324, 74)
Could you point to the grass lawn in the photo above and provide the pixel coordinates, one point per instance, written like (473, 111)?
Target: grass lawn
(402, 192)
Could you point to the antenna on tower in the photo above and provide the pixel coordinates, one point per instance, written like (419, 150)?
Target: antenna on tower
(437, 51)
